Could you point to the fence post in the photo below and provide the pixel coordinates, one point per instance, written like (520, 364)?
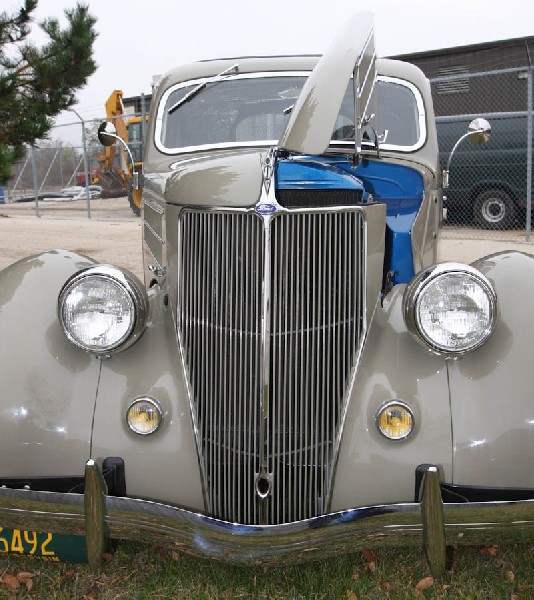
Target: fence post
(143, 126)
(529, 154)
(35, 184)
(85, 164)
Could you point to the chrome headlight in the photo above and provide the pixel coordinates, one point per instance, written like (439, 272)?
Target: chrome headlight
(451, 308)
(103, 309)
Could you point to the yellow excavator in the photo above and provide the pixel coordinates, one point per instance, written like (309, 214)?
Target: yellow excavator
(115, 170)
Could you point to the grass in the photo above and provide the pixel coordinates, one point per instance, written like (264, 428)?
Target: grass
(151, 572)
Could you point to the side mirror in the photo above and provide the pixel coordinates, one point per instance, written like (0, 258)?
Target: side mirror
(107, 136)
(479, 132)
(107, 133)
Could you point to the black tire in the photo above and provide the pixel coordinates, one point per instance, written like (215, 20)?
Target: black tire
(135, 209)
(494, 209)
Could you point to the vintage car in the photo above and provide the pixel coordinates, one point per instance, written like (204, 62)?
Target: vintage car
(296, 377)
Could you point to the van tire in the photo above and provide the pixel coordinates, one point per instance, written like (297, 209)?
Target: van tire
(494, 209)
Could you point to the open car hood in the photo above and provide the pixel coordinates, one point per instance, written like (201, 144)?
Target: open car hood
(313, 117)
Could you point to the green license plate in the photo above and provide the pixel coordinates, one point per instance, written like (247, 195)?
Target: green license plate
(52, 547)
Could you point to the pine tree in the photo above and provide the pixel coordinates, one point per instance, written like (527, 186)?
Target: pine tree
(37, 83)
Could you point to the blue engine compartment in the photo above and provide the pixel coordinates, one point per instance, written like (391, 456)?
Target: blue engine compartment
(401, 188)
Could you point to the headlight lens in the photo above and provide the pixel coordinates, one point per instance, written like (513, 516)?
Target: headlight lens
(451, 308)
(102, 309)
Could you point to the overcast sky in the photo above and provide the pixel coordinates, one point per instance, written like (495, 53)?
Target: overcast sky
(142, 38)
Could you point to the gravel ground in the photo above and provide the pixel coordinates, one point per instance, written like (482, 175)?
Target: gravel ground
(113, 233)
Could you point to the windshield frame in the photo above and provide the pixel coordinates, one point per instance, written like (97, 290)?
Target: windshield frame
(336, 145)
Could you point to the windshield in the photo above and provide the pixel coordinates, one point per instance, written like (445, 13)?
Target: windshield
(248, 110)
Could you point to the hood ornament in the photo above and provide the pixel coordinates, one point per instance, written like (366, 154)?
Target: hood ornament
(268, 162)
(268, 204)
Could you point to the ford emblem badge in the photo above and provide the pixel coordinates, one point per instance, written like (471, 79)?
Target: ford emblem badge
(265, 209)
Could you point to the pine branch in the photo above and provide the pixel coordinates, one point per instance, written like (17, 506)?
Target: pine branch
(38, 83)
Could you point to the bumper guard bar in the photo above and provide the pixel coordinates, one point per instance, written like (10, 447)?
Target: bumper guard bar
(431, 523)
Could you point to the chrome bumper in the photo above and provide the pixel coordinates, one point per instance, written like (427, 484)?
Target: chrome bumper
(429, 523)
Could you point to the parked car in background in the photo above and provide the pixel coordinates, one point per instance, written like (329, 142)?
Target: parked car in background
(488, 185)
(78, 191)
(296, 377)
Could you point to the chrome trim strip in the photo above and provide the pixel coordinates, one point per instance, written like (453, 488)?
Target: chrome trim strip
(267, 197)
(421, 116)
(158, 265)
(154, 242)
(310, 539)
(155, 206)
(154, 233)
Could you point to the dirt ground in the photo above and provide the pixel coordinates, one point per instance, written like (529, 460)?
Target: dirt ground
(113, 233)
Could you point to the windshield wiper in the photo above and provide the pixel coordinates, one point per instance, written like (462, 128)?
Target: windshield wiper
(201, 86)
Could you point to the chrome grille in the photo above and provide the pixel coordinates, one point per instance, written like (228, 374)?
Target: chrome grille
(270, 317)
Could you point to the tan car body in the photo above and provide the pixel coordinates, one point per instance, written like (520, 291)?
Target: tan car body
(62, 407)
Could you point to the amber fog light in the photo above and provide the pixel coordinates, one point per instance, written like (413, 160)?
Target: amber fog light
(144, 416)
(395, 421)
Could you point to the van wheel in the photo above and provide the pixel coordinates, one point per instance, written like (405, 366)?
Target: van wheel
(494, 209)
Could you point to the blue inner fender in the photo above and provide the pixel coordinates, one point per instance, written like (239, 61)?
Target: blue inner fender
(399, 187)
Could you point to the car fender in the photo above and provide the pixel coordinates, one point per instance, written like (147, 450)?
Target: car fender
(492, 389)
(372, 469)
(163, 464)
(48, 388)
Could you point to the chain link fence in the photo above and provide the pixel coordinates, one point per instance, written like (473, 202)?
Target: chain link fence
(490, 185)
(73, 165)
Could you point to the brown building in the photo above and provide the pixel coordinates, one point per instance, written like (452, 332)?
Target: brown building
(459, 89)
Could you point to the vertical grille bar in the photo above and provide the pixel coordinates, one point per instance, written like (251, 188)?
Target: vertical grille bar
(315, 318)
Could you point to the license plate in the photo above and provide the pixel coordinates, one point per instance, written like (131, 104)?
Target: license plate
(51, 547)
